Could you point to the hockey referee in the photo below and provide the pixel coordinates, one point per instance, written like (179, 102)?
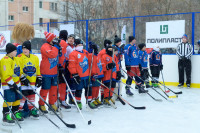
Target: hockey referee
(184, 52)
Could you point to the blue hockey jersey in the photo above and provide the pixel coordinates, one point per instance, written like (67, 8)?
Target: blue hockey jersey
(133, 55)
(155, 58)
(127, 63)
(143, 56)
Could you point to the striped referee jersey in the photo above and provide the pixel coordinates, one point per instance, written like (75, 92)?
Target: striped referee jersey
(184, 50)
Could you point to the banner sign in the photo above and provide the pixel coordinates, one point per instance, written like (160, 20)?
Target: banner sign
(165, 34)
(4, 39)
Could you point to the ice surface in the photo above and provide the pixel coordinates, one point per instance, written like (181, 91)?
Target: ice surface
(182, 116)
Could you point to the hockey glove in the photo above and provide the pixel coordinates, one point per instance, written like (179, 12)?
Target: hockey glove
(95, 77)
(38, 82)
(161, 67)
(76, 78)
(128, 68)
(61, 70)
(24, 81)
(119, 75)
(94, 47)
(13, 87)
(110, 66)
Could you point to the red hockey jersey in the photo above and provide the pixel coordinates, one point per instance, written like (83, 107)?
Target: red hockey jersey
(62, 57)
(48, 66)
(78, 63)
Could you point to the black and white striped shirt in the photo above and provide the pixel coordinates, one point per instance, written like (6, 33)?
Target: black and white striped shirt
(184, 50)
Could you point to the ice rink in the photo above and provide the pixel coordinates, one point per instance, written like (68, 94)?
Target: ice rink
(181, 116)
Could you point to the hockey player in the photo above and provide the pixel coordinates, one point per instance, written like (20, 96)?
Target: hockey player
(101, 53)
(48, 69)
(79, 69)
(133, 57)
(96, 73)
(29, 64)
(117, 44)
(62, 64)
(21, 33)
(155, 65)
(132, 41)
(110, 67)
(70, 48)
(10, 76)
(143, 56)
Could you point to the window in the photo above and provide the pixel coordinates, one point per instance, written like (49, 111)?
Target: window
(40, 4)
(11, 18)
(41, 22)
(25, 8)
(53, 23)
(53, 6)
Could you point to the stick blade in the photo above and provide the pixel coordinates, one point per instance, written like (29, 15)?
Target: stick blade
(140, 107)
(70, 125)
(174, 96)
(121, 101)
(89, 122)
(178, 92)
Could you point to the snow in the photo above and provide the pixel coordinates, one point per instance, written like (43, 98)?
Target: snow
(181, 116)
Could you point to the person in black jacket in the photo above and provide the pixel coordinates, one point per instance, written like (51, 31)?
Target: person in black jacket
(184, 52)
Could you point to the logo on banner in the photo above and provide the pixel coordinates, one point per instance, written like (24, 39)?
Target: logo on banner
(2, 41)
(163, 29)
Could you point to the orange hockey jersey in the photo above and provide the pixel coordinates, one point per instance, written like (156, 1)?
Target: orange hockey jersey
(97, 68)
(107, 73)
(78, 63)
(48, 66)
(101, 53)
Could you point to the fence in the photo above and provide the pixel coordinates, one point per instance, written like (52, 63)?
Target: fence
(99, 29)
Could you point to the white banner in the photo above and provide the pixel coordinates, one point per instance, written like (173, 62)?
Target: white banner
(4, 39)
(68, 27)
(166, 34)
(123, 35)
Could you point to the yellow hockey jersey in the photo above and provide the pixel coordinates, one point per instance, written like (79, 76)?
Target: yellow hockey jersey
(10, 71)
(30, 69)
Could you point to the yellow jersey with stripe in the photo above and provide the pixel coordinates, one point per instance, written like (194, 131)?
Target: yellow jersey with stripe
(30, 69)
(10, 71)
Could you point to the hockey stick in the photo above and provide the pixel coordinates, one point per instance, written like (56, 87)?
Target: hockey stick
(161, 95)
(58, 102)
(180, 92)
(88, 122)
(159, 100)
(121, 99)
(111, 71)
(10, 110)
(89, 79)
(167, 91)
(174, 96)
(68, 125)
